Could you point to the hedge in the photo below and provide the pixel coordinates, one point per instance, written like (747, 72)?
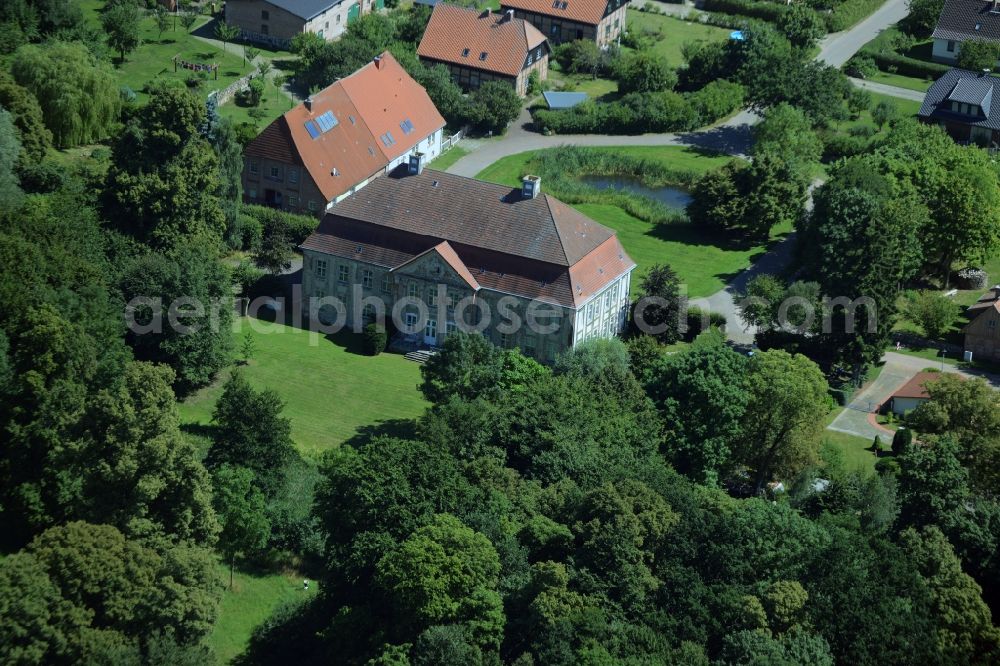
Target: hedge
(375, 339)
(638, 113)
(298, 226)
(766, 11)
(906, 65)
(850, 12)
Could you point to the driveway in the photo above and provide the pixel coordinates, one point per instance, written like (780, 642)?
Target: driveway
(837, 48)
(894, 91)
(858, 418)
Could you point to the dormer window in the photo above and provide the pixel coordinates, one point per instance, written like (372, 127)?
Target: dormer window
(482, 56)
(465, 53)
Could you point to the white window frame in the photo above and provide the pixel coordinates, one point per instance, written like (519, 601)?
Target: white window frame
(321, 268)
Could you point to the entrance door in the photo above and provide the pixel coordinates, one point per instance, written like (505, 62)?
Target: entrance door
(411, 322)
(430, 332)
(353, 13)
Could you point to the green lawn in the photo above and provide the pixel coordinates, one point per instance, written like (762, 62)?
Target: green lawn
(674, 33)
(443, 161)
(900, 81)
(856, 451)
(274, 104)
(252, 600)
(703, 264)
(330, 389)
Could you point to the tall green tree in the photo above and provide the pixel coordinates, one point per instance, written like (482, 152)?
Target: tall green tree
(493, 106)
(250, 432)
(230, 154)
(10, 151)
(79, 96)
(181, 306)
(786, 132)
(784, 416)
(445, 573)
(226, 33)
(661, 304)
(978, 55)
(241, 508)
(35, 137)
(120, 20)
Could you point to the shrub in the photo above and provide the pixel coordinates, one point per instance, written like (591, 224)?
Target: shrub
(907, 66)
(837, 145)
(977, 56)
(717, 100)
(901, 441)
(765, 11)
(861, 66)
(850, 12)
(297, 227)
(972, 278)
(375, 339)
(644, 72)
(699, 321)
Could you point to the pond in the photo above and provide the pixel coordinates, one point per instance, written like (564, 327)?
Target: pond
(670, 196)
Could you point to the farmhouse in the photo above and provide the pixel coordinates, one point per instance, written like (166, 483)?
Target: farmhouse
(517, 265)
(981, 332)
(341, 138)
(913, 393)
(478, 47)
(276, 22)
(966, 105)
(561, 21)
(961, 21)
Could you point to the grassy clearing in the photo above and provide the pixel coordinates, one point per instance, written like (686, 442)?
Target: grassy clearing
(674, 33)
(444, 161)
(699, 258)
(900, 81)
(252, 600)
(274, 104)
(702, 264)
(856, 451)
(330, 389)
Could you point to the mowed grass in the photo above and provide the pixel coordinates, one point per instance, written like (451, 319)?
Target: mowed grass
(153, 59)
(856, 451)
(675, 33)
(446, 159)
(703, 262)
(252, 600)
(900, 81)
(329, 388)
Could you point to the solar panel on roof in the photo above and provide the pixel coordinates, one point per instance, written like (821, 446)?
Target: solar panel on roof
(388, 139)
(406, 126)
(327, 121)
(312, 129)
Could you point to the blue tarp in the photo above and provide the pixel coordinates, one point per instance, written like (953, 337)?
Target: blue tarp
(736, 35)
(564, 100)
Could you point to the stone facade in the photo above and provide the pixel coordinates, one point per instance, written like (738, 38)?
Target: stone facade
(430, 280)
(558, 30)
(266, 23)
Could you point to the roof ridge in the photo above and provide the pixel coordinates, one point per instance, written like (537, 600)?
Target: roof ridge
(555, 225)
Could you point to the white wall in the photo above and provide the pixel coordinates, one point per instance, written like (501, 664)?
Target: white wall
(940, 52)
(604, 314)
(902, 405)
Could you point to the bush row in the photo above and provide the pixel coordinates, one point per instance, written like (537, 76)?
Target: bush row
(638, 113)
(850, 12)
(905, 65)
(766, 11)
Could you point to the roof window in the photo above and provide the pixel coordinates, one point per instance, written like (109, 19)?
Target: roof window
(482, 56)
(465, 53)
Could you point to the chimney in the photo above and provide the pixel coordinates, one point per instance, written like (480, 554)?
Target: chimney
(378, 62)
(531, 186)
(308, 104)
(509, 15)
(416, 165)
(486, 14)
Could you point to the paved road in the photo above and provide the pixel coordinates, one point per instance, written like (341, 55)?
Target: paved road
(837, 48)
(856, 419)
(894, 91)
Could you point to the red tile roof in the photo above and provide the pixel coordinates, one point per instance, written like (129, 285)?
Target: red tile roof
(916, 387)
(534, 248)
(583, 11)
(374, 100)
(460, 36)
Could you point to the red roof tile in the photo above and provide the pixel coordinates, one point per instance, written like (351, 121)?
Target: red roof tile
(583, 11)
(366, 105)
(916, 387)
(460, 36)
(446, 252)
